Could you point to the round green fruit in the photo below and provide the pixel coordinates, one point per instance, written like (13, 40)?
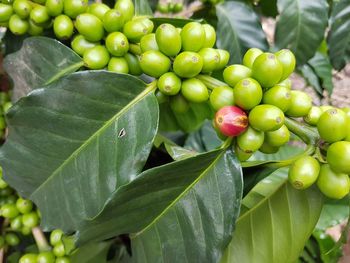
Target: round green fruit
(235, 73)
(62, 260)
(56, 237)
(247, 93)
(133, 64)
(63, 27)
(211, 59)
(286, 83)
(6, 12)
(30, 220)
(338, 157)
(117, 44)
(98, 10)
(188, 64)
(267, 70)
(12, 239)
(268, 149)
(28, 258)
(113, 21)
(193, 37)
(135, 29)
(168, 40)
(278, 137)
(242, 155)
(22, 8)
(194, 90)
(313, 116)
(54, 7)
(96, 57)
(34, 30)
(148, 42)
(250, 56)
(332, 125)
(331, 184)
(118, 65)
(304, 172)
(154, 63)
(59, 250)
(287, 59)
(16, 223)
(73, 8)
(9, 211)
(251, 140)
(125, 7)
(39, 15)
(266, 117)
(90, 27)
(18, 26)
(224, 58)
(278, 96)
(80, 44)
(24, 206)
(169, 84)
(210, 36)
(300, 104)
(179, 104)
(46, 257)
(221, 97)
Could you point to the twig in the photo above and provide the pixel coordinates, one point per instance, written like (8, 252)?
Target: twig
(40, 239)
(2, 255)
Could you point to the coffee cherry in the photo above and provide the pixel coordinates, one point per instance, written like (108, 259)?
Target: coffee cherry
(54, 7)
(6, 12)
(28, 258)
(39, 15)
(26, 231)
(231, 120)
(325, 108)
(59, 250)
(9, 211)
(179, 104)
(266, 117)
(63, 27)
(242, 155)
(118, 65)
(287, 59)
(250, 140)
(210, 36)
(30, 220)
(304, 172)
(46, 257)
(163, 8)
(168, 40)
(250, 56)
(234, 73)
(56, 237)
(135, 29)
(188, 64)
(193, 37)
(338, 157)
(247, 93)
(22, 8)
(161, 97)
(73, 8)
(80, 44)
(211, 59)
(113, 21)
(221, 96)
(90, 27)
(62, 260)
(268, 149)
(148, 42)
(194, 90)
(154, 63)
(98, 10)
(12, 239)
(278, 137)
(332, 184)
(96, 57)
(278, 96)
(16, 223)
(224, 58)
(169, 84)
(125, 7)
(267, 70)
(18, 26)
(117, 44)
(300, 104)
(313, 116)
(34, 30)
(24, 206)
(332, 125)
(133, 64)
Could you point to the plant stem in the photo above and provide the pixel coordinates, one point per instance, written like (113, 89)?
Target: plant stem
(211, 82)
(308, 135)
(2, 255)
(191, 9)
(40, 239)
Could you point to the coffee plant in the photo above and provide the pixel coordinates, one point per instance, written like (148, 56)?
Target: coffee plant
(129, 137)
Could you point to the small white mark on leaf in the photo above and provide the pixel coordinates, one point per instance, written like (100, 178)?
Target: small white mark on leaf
(121, 133)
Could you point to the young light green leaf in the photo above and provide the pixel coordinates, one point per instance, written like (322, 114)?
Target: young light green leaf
(142, 8)
(74, 143)
(39, 62)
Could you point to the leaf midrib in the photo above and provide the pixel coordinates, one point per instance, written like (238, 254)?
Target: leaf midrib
(138, 98)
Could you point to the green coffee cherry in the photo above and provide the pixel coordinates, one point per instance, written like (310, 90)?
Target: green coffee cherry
(96, 57)
(188, 64)
(338, 157)
(287, 59)
(242, 155)
(46, 257)
(26, 231)
(16, 223)
(179, 104)
(28, 258)
(63, 27)
(210, 36)
(117, 44)
(35, 30)
(113, 21)
(59, 250)
(6, 12)
(168, 40)
(266, 118)
(133, 64)
(9, 211)
(268, 149)
(54, 7)
(177, 7)
(125, 7)
(154, 63)
(62, 260)
(39, 15)
(193, 37)
(250, 140)
(248, 93)
(56, 237)
(12, 239)
(73, 8)
(304, 172)
(313, 116)
(278, 137)
(267, 69)
(286, 83)
(163, 8)
(148, 42)
(118, 65)
(194, 90)
(235, 73)
(80, 44)
(22, 8)
(30, 220)
(211, 59)
(250, 56)
(24, 206)
(161, 97)
(332, 125)
(169, 84)
(135, 29)
(278, 96)
(221, 97)
(90, 27)
(300, 104)
(18, 26)
(98, 10)
(224, 58)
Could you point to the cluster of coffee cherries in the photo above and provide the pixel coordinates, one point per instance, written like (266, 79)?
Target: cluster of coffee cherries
(169, 7)
(57, 255)
(5, 104)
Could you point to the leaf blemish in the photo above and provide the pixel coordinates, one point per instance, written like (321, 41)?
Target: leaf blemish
(121, 133)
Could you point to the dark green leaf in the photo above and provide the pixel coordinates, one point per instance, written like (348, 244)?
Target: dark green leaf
(268, 7)
(91, 253)
(74, 143)
(12, 43)
(275, 222)
(339, 35)
(185, 209)
(312, 79)
(301, 26)
(39, 62)
(142, 7)
(322, 67)
(238, 29)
